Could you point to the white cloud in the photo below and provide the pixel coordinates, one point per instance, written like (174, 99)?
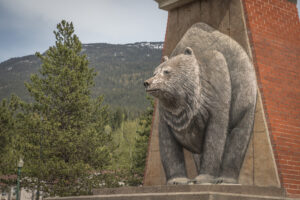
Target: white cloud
(116, 20)
(28, 24)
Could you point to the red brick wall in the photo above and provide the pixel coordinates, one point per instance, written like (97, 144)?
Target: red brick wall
(274, 33)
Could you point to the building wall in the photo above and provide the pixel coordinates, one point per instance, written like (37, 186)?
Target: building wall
(274, 33)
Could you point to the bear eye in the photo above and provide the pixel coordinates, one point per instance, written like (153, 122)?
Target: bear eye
(166, 72)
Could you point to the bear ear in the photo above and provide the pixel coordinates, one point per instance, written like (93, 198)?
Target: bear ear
(188, 51)
(165, 58)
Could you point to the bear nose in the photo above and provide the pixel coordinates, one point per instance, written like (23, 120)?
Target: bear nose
(146, 84)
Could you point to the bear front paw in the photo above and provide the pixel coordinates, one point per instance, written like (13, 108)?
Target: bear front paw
(204, 179)
(178, 181)
(226, 180)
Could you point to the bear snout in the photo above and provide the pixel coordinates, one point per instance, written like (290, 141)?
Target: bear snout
(148, 82)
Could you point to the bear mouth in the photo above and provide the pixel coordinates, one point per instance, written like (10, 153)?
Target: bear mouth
(152, 90)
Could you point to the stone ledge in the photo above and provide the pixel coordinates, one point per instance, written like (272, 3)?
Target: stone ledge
(175, 195)
(171, 4)
(184, 192)
(228, 188)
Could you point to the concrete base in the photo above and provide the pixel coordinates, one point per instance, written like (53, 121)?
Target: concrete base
(185, 192)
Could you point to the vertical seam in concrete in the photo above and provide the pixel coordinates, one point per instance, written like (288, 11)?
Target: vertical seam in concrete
(261, 99)
(155, 109)
(251, 57)
(246, 30)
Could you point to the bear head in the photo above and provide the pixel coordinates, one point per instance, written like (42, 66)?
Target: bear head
(176, 82)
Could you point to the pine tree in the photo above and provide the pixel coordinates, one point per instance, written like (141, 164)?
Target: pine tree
(9, 157)
(63, 139)
(141, 146)
(8, 154)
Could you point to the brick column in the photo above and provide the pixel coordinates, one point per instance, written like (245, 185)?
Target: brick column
(274, 33)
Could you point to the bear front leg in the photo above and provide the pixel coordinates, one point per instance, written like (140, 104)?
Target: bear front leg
(213, 148)
(172, 156)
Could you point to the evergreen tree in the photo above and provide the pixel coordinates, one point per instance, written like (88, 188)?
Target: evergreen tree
(9, 157)
(141, 145)
(62, 132)
(117, 119)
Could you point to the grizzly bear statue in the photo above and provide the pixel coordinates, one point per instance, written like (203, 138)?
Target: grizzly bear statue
(207, 97)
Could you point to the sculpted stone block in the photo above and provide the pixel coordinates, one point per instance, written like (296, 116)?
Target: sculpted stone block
(207, 96)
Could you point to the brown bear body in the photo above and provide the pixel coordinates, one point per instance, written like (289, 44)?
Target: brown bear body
(207, 96)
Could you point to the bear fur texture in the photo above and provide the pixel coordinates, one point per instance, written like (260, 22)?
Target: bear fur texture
(207, 97)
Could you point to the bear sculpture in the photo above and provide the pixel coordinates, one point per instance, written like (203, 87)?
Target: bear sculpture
(207, 96)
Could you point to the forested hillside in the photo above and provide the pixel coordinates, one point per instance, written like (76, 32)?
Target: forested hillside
(121, 71)
(70, 141)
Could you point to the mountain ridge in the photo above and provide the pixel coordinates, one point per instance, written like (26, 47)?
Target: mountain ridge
(121, 68)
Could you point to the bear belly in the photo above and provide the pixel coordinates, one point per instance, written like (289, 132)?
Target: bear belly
(191, 138)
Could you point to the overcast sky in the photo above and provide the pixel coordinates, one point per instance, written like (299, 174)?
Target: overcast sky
(26, 26)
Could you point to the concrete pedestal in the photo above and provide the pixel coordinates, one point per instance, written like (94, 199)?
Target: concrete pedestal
(185, 192)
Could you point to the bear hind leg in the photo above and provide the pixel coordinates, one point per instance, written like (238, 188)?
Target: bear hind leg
(236, 147)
